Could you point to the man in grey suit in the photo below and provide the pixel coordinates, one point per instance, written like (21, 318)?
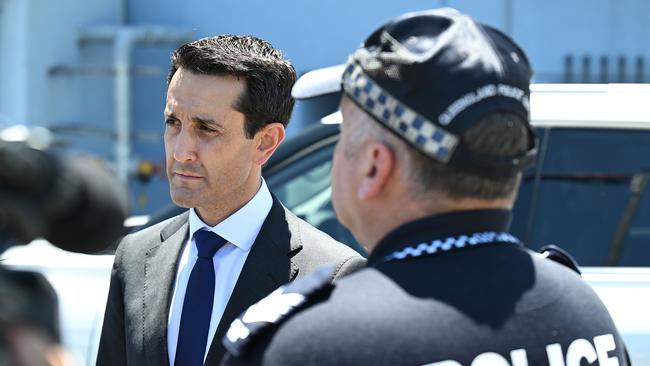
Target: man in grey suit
(177, 285)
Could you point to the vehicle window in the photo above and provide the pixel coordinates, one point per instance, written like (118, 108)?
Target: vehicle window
(525, 202)
(304, 188)
(587, 194)
(592, 198)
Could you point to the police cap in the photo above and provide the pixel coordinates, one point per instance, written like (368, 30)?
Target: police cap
(428, 76)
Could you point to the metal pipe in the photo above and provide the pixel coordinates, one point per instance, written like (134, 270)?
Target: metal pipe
(507, 17)
(149, 35)
(125, 39)
(100, 70)
(124, 44)
(123, 12)
(568, 69)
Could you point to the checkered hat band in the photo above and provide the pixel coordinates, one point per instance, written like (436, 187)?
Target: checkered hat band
(426, 136)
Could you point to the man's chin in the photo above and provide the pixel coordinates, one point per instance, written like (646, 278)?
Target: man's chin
(182, 199)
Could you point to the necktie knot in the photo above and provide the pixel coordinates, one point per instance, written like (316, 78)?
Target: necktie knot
(208, 243)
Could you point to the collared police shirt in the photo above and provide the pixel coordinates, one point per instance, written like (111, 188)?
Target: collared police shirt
(447, 290)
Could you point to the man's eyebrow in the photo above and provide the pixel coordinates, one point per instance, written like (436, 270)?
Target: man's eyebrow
(206, 121)
(197, 119)
(201, 119)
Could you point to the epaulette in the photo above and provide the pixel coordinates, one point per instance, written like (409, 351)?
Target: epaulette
(559, 255)
(272, 310)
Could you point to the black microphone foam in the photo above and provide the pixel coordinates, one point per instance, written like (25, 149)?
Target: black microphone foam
(77, 205)
(93, 217)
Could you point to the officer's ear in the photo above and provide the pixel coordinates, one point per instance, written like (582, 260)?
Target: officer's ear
(377, 165)
(267, 140)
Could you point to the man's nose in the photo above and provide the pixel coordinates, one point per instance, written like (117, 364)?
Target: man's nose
(185, 146)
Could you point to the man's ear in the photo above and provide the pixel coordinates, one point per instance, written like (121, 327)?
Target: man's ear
(267, 141)
(377, 166)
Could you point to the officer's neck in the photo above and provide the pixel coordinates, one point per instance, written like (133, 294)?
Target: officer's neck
(385, 217)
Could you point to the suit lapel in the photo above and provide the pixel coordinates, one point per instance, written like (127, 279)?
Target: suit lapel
(267, 266)
(161, 262)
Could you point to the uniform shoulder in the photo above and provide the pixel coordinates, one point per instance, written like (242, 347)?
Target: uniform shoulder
(257, 323)
(558, 274)
(557, 266)
(321, 330)
(559, 255)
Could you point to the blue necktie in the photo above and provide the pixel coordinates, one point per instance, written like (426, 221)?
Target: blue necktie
(197, 306)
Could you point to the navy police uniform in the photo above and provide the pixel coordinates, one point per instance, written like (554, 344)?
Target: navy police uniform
(456, 288)
(448, 290)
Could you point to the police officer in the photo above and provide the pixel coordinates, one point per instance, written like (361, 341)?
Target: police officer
(434, 137)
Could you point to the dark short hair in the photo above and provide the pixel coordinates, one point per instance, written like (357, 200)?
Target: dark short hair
(268, 76)
(499, 134)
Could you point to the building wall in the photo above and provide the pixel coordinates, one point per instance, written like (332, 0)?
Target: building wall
(36, 35)
(551, 30)
(316, 34)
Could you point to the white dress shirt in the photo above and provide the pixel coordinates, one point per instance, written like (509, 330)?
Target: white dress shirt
(240, 230)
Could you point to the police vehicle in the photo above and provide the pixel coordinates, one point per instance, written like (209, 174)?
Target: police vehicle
(587, 193)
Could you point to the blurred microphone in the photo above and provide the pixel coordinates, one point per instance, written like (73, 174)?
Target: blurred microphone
(76, 205)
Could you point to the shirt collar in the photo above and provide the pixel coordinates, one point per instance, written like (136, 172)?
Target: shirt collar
(439, 227)
(241, 227)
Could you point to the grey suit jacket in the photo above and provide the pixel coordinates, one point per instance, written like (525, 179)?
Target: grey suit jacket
(142, 281)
